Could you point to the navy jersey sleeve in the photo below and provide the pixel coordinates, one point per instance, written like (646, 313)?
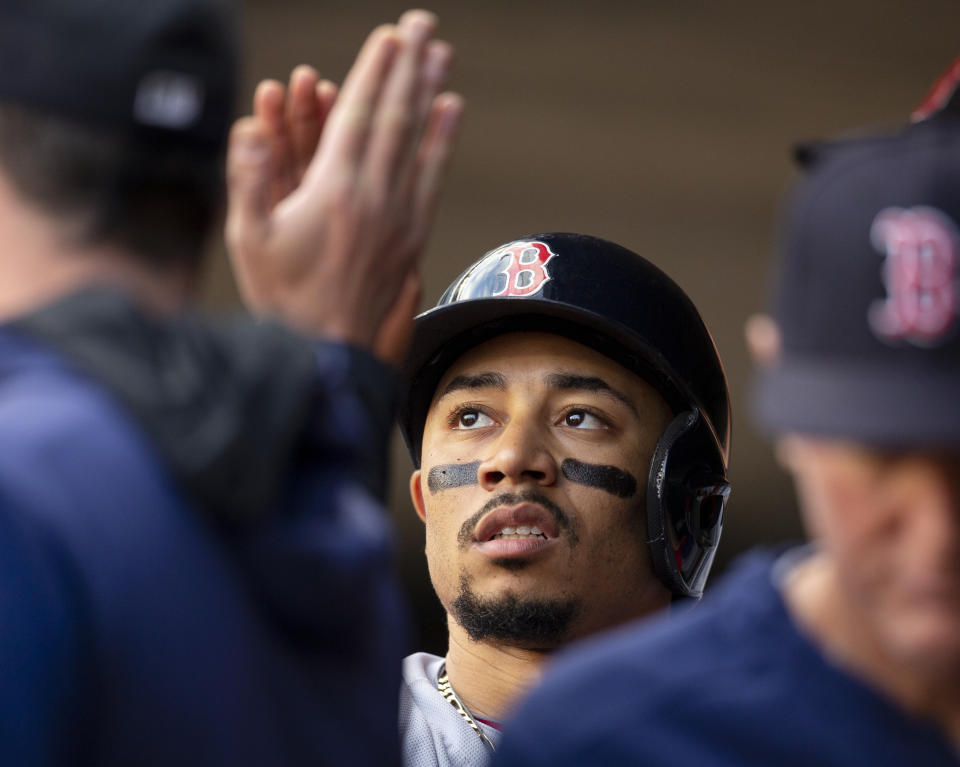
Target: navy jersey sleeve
(331, 536)
(324, 566)
(353, 413)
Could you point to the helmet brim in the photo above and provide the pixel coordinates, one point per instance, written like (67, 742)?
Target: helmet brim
(443, 334)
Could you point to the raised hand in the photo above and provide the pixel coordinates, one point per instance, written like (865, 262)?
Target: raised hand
(331, 196)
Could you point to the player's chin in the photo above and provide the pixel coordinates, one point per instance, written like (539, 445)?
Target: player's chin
(521, 579)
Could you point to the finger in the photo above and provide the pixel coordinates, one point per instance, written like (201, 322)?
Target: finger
(349, 122)
(436, 148)
(394, 134)
(326, 96)
(393, 336)
(303, 117)
(269, 106)
(434, 74)
(249, 177)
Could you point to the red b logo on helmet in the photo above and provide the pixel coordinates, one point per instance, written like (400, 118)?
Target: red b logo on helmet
(920, 275)
(524, 266)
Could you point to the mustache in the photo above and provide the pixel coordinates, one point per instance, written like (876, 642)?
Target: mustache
(465, 536)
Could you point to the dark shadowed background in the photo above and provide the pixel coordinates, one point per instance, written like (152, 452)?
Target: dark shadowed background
(664, 126)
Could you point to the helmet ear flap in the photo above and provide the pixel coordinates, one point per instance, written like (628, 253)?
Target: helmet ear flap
(687, 491)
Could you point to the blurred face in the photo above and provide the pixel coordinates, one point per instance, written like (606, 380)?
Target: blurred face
(890, 524)
(532, 486)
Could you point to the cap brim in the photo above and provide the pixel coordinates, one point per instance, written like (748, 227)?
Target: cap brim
(439, 327)
(861, 402)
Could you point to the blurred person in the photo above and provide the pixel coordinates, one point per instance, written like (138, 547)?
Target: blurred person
(568, 417)
(194, 561)
(845, 651)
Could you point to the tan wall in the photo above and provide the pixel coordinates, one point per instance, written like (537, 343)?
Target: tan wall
(664, 126)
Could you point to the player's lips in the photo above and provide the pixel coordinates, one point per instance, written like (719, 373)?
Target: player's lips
(516, 530)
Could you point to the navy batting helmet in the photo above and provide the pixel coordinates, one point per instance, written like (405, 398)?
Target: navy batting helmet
(612, 300)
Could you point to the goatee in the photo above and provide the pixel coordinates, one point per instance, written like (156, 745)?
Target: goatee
(538, 623)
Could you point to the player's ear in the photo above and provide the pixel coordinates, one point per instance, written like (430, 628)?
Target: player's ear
(763, 340)
(794, 453)
(799, 455)
(416, 495)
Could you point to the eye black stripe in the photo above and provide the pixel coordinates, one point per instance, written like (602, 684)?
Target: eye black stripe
(452, 475)
(615, 481)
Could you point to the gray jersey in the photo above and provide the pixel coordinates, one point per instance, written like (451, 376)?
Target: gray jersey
(432, 732)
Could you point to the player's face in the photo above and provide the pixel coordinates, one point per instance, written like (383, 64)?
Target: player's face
(535, 454)
(890, 523)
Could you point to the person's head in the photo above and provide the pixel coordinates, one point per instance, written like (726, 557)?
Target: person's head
(568, 419)
(860, 381)
(113, 120)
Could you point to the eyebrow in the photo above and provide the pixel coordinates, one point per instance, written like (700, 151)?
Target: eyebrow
(571, 381)
(479, 381)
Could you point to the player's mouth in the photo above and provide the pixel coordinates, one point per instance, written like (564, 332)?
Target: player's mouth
(516, 531)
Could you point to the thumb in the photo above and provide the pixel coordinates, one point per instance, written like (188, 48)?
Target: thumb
(250, 174)
(393, 336)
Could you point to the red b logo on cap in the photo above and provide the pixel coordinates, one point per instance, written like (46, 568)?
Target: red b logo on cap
(920, 275)
(524, 265)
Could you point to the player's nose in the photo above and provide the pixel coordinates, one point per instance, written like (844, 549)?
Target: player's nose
(520, 456)
(932, 484)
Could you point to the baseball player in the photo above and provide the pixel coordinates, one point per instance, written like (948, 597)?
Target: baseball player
(568, 418)
(845, 652)
(184, 503)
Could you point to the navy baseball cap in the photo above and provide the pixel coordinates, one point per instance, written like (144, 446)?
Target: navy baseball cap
(161, 70)
(868, 289)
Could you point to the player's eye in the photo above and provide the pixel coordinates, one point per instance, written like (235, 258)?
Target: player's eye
(583, 419)
(470, 418)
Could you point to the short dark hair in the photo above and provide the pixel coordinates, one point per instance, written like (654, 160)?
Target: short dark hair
(159, 201)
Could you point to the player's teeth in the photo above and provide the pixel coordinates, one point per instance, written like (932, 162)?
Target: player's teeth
(521, 533)
(510, 533)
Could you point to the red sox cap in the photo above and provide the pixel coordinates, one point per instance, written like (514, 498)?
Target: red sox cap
(868, 298)
(582, 287)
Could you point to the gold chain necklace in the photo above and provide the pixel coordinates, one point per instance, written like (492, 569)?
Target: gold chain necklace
(443, 685)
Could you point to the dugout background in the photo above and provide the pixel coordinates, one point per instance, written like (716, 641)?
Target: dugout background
(664, 126)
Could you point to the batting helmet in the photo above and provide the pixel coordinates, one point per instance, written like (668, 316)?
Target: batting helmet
(612, 300)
